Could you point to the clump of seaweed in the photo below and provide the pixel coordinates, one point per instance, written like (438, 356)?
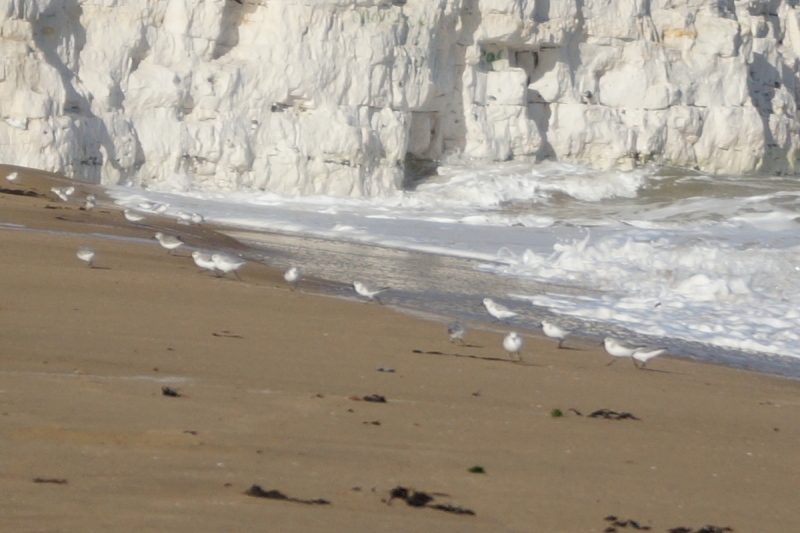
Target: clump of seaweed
(416, 498)
(257, 492)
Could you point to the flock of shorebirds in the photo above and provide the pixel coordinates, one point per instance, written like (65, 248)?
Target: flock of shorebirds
(512, 343)
(222, 264)
(218, 263)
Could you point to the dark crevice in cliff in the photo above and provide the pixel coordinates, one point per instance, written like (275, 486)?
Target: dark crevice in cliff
(763, 82)
(232, 15)
(60, 37)
(417, 170)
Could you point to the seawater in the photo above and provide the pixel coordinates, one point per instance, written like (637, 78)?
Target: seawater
(707, 265)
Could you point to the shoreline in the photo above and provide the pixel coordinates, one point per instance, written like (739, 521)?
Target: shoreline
(415, 296)
(410, 294)
(272, 386)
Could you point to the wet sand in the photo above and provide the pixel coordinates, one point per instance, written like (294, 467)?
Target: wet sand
(271, 385)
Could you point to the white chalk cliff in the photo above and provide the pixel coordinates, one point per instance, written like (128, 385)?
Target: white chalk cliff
(337, 96)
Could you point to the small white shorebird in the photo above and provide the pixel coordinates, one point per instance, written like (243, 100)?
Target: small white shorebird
(619, 349)
(63, 192)
(456, 331)
(197, 218)
(204, 260)
(364, 291)
(85, 253)
(91, 202)
(132, 216)
(154, 207)
(500, 312)
(170, 242)
(227, 263)
(12, 176)
(292, 277)
(184, 218)
(643, 355)
(512, 343)
(554, 332)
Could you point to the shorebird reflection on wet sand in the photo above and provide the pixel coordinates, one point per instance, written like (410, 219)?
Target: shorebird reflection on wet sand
(499, 312)
(366, 292)
(292, 277)
(554, 332)
(512, 343)
(456, 331)
(170, 242)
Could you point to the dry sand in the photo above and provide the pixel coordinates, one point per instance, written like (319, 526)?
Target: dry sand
(269, 400)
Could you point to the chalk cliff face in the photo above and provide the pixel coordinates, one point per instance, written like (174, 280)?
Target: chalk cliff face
(337, 96)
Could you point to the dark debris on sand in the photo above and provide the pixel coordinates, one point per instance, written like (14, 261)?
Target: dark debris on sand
(257, 492)
(619, 523)
(18, 192)
(376, 398)
(452, 509)
(172, 393)
(53, 480)
(607, 414)
(422, 499)
(468, 356)
(227, 334)
(704, 529)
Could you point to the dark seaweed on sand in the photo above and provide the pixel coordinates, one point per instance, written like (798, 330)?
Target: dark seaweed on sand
(172, 393)
(54, 481)
(257, 492)
(452, 509)
(704, 529)
(608, 414)
(619, 523)
(227, 334)
(377, 398)
(422, 499)
(17, 192)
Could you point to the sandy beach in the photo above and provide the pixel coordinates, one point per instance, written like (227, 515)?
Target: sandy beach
(271, 386)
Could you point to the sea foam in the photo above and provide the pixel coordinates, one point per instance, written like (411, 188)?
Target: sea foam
(703, 259)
